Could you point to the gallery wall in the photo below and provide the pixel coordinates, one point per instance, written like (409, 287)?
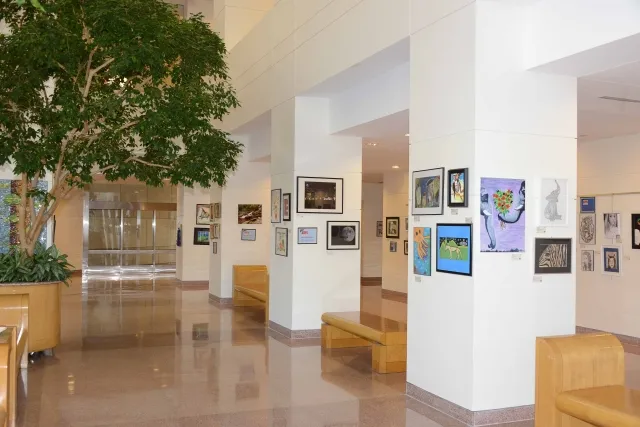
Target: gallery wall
(395, 204)
(371, 214)
(192, 261)
(608, 168)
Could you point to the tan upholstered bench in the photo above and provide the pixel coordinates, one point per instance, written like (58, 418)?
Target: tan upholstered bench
(251, 287)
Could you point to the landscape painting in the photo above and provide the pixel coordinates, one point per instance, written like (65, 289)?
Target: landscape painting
(454, 250)
(502, 207)
(422, 251)
(249, 214)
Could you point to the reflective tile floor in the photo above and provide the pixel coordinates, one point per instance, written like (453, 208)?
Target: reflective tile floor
(148, 353)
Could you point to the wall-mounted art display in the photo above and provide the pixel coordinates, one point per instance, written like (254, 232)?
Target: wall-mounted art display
(307, 235)
(422, 251)
(201, 236)
(612, 225)
(248, 234)
(216, 210)
(276, 207)
(282, 241)
(502, 206)
(249, 214)
(587, 228)
(406, 247)
(587, 258)
(587, 205)
(203, 214)
(611, 260)
(319, 195)
(286, 207)
(635, 231)
(393, 246)
(216, 231)
(406, 224)
(428, 186)
(378, 228)
(342, 235)
(214, 247)
(211, 231)
(179, 236)
(393, 227)
(454, 250)
(552, 256)
(458, 188)
(554, 202)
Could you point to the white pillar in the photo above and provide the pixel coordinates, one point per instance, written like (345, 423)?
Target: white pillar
(192, 261)
(395, 204)
(472, 339)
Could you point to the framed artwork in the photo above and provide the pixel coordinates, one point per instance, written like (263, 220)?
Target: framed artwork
(393, 227)
(454, 248)
(422, 251)
(406, 247)
(378, 228)
(249, 214)
(587, 229)
(217, 210)
(458, 188)
(554, 202)
(179, 236)
(393, 246)
(216, 231)
(343, 235)
(611, 260)
(428, 186)
(203, 214)
(286, 207)
(307, 235)
(319, 195)
(587, 205)
(635, 231)
(406, 223)
(248, 234)
(201, 236)
(612, 225)
(282, 241)
(587, 258)
(214, 247)
(502, 206)
(552, 256)
(211, 232)
(276, 211)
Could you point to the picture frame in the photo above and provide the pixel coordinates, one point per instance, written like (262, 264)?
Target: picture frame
(406, 247)
(553, 209)
(378, 228)
(343, 235)
(211, 231)
(393, 246)
(179, 236)
(454, 249)
(587, 260)
(587, 205)
(457, 181)
(319, 195)
(276, 206)
(201, 236)
(249, 214)
(203, 214)
(587, 227)
(282, 241)
(503, 215)
(406, 223)
(428, 188)
(217, 210)
(635, 231)
(611, 260)
(307, 235)
(248, 234)
(612, 225)
(422, 251)
(214, 247)
(286, 207)
(392, 227)
(553, 256)
(216, 231)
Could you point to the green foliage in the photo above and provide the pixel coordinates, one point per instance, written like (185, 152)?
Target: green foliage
(46, 265)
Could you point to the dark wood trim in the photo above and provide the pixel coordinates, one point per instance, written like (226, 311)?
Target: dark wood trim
(371, 281)
(394, 295)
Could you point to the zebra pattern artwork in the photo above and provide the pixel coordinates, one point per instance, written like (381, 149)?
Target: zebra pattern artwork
(553, 256)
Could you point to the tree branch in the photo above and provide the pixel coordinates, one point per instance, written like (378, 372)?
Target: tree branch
(144, 162)
(22, 212)
(92, 73)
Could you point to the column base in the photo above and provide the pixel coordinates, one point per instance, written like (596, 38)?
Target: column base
(220, 302)
(294, 338)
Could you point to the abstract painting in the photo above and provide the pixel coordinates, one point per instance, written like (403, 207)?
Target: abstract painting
(203, 214)
(612, 225)
(554, 202)
(427, 192)
(611, 260)
(552, 256)
(587, 229)
(249, 214)
(635, 231)
(458, 188)
(422, 251)
(586, 260)
(502, 207)
(454, 250)
(343, 235)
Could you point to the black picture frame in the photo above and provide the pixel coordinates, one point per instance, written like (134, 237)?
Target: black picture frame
(635, 231)
(286, 241)
(379, 229)
(287, 216)
(406, 247)
(465, 184)
(300, 199)
(197, 232)
(386, 227)
(334, 247)
(552, 255)
(442, 263)
(427, 173)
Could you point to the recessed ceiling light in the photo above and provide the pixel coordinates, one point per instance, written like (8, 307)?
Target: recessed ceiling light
(395, 167)
(371, 144)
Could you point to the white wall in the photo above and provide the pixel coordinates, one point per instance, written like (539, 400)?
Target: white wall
(395, 203)
(192, 261)
(371, 214)
(608, 168)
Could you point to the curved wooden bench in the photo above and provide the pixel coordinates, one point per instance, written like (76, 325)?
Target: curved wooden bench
(359, 329)
(251, 287)
(13, 342)
(580, 382)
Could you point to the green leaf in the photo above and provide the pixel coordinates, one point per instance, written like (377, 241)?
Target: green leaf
(13, 218)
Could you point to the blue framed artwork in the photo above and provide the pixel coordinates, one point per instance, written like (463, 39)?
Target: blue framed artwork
(587, 204)
(454, 250)
(611, 260)
(422, 251)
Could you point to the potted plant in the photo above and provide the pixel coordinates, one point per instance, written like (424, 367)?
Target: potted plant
(111, 87)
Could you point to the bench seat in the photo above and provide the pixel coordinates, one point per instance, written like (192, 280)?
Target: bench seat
(612, 406)
(251, 287)
(260, 296)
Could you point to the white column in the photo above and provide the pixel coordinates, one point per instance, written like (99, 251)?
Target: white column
(395, 204)
(192, 261)
(472, 339)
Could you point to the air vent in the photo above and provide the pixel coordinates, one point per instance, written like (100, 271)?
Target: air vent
(613, 98)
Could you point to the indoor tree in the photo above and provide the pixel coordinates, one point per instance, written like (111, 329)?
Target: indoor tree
(123, 88)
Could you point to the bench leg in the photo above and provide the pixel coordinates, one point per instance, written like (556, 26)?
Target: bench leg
(387, 359)
(333, 337)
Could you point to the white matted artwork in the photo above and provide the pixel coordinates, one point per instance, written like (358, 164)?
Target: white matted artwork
(282, 241)
(612, 260)
(554, 202)
(587, 229)
(276, 210)
(612, 225)
(587, 260)
(428, 186)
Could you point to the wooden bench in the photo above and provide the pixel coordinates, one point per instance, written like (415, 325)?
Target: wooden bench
(580, 382)
(359, 329)
(14, 311)
(251, 287)
(13, 353)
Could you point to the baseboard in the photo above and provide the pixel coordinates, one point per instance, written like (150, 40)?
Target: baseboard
(394, 295)
(193, 285)
(294, 338)
(220, 302)
(625, 339)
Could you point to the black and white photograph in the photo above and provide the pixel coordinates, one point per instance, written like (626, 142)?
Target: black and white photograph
(586, 260)
(319, 195)
(393, 227)
(379, 229)
(612, 225)
(587, 229)
(343, 235)
(552, 256)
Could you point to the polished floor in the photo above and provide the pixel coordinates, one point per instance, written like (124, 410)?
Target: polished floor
(149, 353)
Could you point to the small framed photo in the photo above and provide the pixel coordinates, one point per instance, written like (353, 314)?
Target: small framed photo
(612, 225)
(201, 236)
(587, 259)
(612, 260)
(282, 241)
(393, 246)
(458, 188)
(249, 214)
(276, 208)
(343, 235)
(319, 195)
(454, 250)
(587, 205)
(214, 247)
(406, 247)
(378, 228)
(393, 227)
(217, 210)
(248, 234)
(203, 214)
(307, 236)
(286, 207)
(216, 231)
(428, 186)
(552, 256)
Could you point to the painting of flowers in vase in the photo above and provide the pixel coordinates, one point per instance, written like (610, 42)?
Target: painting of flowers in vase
(502, 210)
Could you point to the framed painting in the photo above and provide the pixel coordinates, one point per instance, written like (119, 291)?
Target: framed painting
(552, 256)
(428, 186)
(393, 246)
(422, 251)
(587, 205)
(378, 228)
(393, 227)
(587, 258)
(307, 235)
(343, 235)
(458, 188)
(454, 249)
(612, 260)
(276, 208)
(214, 248)
(215, 231)
(502, 207)
(201, 236)
(250, 214)
(635, 231)
(587, 229)
(554, 202)
(286, 207)
(203, 214)
(282, 241)
(248, 234)
(217, 210)
(406, 247)
(319, 195)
